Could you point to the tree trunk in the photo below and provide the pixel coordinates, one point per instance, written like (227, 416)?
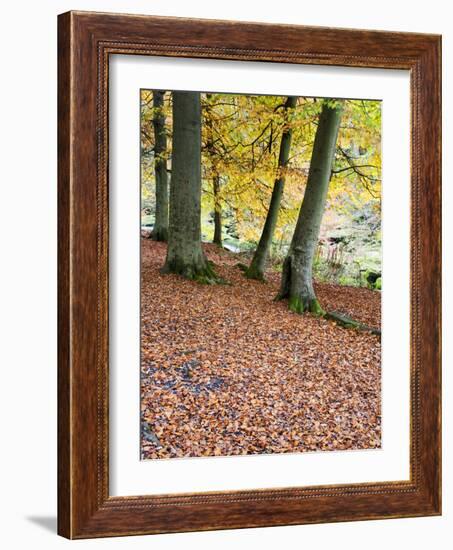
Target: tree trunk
(297, 276)
(160, 229)
(259, 260)
(215, 174)
(217, 211)
(184, 252)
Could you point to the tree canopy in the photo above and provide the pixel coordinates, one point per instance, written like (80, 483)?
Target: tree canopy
(240, 144)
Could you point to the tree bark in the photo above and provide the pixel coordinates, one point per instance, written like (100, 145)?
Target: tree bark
(184, 252)
(297, 275)
(215, 174)
(257, 266)
(160, 229)
(217, 211)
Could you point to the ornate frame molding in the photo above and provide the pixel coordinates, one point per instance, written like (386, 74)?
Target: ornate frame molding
(86, 40)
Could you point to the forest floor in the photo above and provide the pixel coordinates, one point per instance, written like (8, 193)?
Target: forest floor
(225, 370)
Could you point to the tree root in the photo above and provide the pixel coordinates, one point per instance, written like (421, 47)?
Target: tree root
(255, 275)
(347, 322)
(203, 274)
(159, 235)
(298, 305)
(209, 279)
(250, 273)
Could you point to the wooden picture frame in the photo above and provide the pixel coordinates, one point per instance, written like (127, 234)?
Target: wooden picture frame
(85, 41)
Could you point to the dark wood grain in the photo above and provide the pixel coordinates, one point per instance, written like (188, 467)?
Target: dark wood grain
(85, 42)
(64, 369)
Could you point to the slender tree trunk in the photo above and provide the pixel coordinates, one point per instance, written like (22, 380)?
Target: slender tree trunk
(215, 174)
(297, 276)
(217, 211)
(184, 252)
(259, 260)
(160, 229)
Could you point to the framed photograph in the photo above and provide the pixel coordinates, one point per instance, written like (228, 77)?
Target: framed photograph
(249, 274)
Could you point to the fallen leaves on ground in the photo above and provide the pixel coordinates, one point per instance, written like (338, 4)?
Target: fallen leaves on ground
(226, 370)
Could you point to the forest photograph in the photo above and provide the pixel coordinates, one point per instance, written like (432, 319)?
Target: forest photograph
(261, 274)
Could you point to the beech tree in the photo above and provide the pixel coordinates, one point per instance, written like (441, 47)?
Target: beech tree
(240, 159)
(160, 229)
(184, 252)
(214, 172)
(297, 274)
(258, 264)
(217, 211)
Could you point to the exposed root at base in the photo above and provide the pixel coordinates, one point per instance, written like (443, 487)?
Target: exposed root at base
(298, 305)
(204, 275)
(251, 273)
(347, 322)
(160, 235)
